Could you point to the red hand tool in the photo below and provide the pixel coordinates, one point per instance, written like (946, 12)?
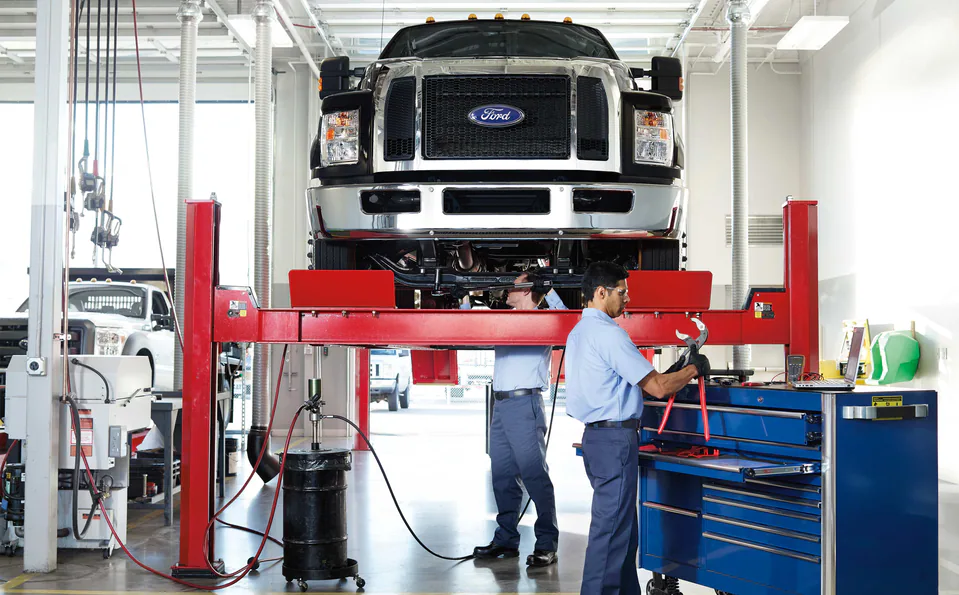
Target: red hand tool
(691, 345)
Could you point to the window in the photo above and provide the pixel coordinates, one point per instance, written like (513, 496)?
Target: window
(159, 304)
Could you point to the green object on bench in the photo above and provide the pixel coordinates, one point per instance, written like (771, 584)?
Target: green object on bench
(895, 358)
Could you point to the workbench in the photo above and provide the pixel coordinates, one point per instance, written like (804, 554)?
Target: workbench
(165, 412)
(813, 493)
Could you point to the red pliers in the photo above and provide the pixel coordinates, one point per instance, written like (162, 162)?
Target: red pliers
(691, 344)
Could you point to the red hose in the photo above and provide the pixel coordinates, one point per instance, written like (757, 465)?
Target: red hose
(245, 570)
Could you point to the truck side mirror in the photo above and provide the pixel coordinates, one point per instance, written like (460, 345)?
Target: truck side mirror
(334, 76)
(667, 75)
(162, 322)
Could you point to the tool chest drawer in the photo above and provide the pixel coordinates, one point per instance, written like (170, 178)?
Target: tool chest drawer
(748, 495)
(782, 427)
(784, 539)
(802, 522)
(763, 564)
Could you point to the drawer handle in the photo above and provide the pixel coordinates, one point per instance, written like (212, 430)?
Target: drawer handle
(672, 509)
(786, 486)
(784, 499)
(895, 413)
(762, 548)
(793, 515)
(737, 410)
(763, 528)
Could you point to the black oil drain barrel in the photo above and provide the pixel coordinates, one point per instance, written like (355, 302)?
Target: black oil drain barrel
(314, 515)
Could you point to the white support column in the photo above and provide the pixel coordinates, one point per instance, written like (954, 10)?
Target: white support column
(46, 284)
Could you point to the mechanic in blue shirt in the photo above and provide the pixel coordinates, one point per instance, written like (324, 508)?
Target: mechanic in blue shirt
(517, 450)
(606, 377)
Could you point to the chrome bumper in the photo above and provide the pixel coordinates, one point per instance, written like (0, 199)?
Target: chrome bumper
(658, 211)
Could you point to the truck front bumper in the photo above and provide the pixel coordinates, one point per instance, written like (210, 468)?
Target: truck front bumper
(655, 211)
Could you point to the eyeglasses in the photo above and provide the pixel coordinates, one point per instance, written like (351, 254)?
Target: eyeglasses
(621, 291)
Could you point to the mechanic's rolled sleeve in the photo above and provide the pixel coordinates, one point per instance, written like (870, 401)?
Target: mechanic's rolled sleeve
(603, 371)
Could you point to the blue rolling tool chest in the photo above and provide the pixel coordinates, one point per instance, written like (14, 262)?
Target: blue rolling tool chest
(812, 493)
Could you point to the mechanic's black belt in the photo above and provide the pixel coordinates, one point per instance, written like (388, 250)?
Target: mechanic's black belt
(500, 395)
(632, 424)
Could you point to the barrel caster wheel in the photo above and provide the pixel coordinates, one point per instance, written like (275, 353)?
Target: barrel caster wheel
(303, 586)
(360, 583)
(256, 564)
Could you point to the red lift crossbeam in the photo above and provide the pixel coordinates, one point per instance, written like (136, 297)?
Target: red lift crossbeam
(787, 316)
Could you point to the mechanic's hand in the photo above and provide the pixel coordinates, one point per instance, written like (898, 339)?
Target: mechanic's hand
(543, 286)
(702, 364)
(676, 367)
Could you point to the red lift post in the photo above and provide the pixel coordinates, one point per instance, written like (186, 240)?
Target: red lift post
(786, 316)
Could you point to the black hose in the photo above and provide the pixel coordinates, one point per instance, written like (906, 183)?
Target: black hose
(77, 533)
(390, 488)
(106, 384)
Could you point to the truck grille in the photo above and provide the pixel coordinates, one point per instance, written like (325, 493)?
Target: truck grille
(592, 119)
(12, 333)
(400, 119)
(543, 134)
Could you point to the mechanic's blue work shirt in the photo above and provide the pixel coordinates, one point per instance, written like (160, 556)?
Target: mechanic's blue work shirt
(603, 371)
(523, 366)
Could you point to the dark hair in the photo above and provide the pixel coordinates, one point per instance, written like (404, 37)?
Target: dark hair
(602, 274)
(535, 279)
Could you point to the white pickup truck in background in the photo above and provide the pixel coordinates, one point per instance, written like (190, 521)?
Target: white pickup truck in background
(391, 374)
(106, 318)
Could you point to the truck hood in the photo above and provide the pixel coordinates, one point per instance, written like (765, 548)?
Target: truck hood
(508, 65)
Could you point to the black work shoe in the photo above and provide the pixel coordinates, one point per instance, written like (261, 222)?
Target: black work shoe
(495, 551)
(541, 558)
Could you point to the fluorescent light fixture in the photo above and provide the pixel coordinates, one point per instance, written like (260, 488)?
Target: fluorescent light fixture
(812, 33)
(755, 7)
(245, 27)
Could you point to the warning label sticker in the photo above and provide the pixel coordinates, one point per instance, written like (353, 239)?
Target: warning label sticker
(86, 434)
(887, 401)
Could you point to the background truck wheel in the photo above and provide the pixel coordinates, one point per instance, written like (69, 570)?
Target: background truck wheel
(405, 399)
(333, 256)
(394, 399)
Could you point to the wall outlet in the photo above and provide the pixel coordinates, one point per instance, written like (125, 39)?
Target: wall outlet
(116, 442)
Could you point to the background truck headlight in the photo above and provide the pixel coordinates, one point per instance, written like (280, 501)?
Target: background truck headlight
(109, 341)
(653, 138)
(340, 138)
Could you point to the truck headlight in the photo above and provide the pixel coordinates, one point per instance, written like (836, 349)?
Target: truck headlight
(109, 341)
(340, 138)
(653, 138)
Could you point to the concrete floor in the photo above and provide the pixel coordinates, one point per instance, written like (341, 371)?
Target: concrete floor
(434, 454)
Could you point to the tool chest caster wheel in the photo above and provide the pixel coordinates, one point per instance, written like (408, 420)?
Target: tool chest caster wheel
(663, 585)
(360, 583)
(718, 592)
(303, 586)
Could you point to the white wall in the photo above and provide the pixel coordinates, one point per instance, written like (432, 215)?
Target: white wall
(774, 173)
(880, 155)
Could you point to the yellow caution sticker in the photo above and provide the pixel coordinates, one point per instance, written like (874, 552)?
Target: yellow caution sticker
(887, 401)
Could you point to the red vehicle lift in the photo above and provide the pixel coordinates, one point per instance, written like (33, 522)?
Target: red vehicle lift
(662, 303)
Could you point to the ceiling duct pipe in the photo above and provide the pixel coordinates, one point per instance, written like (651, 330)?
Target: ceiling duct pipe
(190, 15)
(263, 15)
(738, 16)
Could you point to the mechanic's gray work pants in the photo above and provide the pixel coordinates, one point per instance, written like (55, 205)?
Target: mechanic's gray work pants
(518, 458)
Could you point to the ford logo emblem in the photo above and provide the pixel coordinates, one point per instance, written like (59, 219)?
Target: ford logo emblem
(496, 116)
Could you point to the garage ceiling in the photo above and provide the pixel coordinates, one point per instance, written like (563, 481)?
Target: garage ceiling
(638, 29)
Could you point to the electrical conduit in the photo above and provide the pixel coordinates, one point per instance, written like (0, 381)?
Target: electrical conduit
(739, 18)
(190, 16)
(263, 15)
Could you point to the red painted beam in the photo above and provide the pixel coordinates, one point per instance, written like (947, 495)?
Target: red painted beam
(199, 353)
(479, 328)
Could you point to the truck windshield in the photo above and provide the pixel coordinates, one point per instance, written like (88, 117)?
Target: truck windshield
(483, 39)
(126, 301)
